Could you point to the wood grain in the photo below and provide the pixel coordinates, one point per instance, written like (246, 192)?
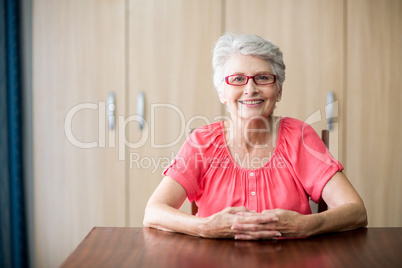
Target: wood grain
(374, 113)
(170, 59)
(143, 247)
(311, 37)
(78, 57)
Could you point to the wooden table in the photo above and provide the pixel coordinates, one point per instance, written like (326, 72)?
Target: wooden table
(144, 247)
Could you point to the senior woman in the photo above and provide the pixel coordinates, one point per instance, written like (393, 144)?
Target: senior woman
(252, 176)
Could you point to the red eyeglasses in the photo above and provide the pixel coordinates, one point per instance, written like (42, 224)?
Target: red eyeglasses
(259, 79)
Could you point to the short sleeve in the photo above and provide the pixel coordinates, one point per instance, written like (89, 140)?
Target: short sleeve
(184, 171)
(310, 159)
(191, 162)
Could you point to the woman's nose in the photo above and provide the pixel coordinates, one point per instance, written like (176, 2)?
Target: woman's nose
(250, 87)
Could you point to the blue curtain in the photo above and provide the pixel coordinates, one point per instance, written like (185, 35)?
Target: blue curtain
(13, 235)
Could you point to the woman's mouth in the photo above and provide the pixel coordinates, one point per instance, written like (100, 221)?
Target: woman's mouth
(251, 103)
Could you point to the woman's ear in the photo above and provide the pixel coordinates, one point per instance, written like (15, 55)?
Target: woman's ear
(222, 99)
(279, 95)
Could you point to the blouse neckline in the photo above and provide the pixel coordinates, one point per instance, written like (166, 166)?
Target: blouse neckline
(278, 141)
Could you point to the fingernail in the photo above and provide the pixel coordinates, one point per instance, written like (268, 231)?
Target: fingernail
(278, 234)
(275, 219)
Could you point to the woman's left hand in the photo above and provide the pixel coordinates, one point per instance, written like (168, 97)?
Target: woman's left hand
(289, 224)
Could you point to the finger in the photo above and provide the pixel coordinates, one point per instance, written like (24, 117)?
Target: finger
(236, 210)
(276, 211)
(256, 218)
(244, 237)
(268, 211)
(251, 227)
(246, 213)
(258, 235)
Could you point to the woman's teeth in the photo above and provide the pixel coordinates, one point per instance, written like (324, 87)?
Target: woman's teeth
(251, 102)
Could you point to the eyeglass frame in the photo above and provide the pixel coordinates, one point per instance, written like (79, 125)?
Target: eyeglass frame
(248, 78)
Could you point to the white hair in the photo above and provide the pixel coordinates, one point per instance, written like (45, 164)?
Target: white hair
(246, 44)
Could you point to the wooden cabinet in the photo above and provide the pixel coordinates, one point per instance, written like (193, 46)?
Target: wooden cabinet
(352, 48)
(373, 107)
(310, 35)
(170, 55)
(86, 174)
(78, 58)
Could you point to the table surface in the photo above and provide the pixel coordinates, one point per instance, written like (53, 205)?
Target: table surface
(145, 247)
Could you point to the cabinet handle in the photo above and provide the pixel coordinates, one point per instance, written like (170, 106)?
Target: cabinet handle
(111, 108)
(140, 108)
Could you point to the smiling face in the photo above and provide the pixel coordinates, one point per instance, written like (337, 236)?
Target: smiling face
(250, 100)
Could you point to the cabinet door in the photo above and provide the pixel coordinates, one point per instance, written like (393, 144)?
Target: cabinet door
(78, 58)
(310, 35)
(374, 113)
(170, 59)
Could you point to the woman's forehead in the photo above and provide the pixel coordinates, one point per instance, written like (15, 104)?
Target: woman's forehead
(247, 64)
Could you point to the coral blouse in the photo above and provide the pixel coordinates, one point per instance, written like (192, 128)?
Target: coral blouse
(299, 167)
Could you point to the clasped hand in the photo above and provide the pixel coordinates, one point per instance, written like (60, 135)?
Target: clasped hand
(243, 224)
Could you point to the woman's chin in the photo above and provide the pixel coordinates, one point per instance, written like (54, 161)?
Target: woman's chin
(249, 114)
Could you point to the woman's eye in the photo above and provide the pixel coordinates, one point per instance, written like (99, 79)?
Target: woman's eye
(239, 79)
(263, 77)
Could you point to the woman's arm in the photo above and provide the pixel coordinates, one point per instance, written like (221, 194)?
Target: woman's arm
(162, 212)
(346, 211)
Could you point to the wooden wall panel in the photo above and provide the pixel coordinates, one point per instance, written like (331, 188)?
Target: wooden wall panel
(310, 35)
(374, 113)
(81, 54)
(170, 59)
(78, 58)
